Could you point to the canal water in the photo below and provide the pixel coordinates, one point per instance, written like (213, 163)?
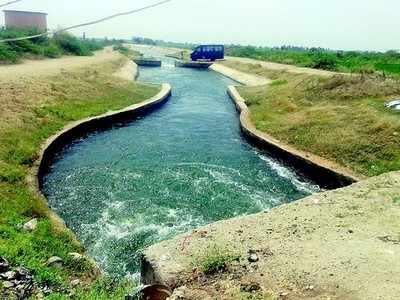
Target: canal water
(180, 167)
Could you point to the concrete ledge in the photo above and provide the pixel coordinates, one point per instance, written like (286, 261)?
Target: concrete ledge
(241, 77)
(324, 172)
(77, 129)
(148, 62)
(193, 64)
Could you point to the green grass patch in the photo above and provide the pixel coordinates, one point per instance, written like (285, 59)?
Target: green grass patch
(215, 260)
(41, 108)
(278, 82)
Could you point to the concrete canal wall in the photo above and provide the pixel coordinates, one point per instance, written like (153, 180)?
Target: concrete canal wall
(327, 174)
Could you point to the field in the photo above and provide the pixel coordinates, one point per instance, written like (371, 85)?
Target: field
(33, 109)
(340, 61)
(341, 118)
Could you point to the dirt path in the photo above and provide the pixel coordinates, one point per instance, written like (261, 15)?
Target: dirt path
(282, 67)
(35, 68)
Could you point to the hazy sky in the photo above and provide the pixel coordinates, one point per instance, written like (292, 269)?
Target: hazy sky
(337, 24)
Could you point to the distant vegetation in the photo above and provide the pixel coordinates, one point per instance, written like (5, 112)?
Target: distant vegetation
(61, 44)
(318, 58)
(387, 63)
(161, 43)
(128, 52)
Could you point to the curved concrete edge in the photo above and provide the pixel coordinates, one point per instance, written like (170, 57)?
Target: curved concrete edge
(238, 76)
(74, 130)
(324, 172)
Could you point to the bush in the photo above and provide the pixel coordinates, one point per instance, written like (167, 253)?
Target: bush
(7, 54)
(72, 45)
(52, 51)
(62, 43)
(324, 61)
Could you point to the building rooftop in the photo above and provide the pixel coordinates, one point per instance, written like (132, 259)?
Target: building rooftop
(26, 12)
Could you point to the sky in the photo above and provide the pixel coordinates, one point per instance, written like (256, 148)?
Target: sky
(335, 24)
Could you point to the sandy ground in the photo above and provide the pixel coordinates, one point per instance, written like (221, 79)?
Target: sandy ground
(35, 68)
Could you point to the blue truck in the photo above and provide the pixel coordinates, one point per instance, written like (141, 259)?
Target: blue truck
(208, 52)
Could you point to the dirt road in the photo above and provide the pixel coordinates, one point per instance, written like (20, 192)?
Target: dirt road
(281, 67)
(34, 68)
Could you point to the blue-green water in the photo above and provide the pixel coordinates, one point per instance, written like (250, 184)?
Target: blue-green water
(180, 167)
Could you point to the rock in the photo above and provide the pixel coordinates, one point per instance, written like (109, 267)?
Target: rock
(75, 282)
(31, 225)
(250, 287)
(253, 257)
(7, 284)
(54, 261)
(76, 256)
(23, 274)
(4, 265)
(10, 275)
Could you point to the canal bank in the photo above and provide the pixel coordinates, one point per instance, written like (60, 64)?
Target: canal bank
(46, 101)
(339, 245)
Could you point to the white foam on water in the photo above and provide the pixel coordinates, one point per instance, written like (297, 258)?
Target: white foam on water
(285, 172)
(165, 65)
(110, 228)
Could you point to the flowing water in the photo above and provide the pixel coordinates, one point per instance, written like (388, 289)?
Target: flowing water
(180, 167)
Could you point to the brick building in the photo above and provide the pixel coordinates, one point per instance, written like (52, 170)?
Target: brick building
(25, 19)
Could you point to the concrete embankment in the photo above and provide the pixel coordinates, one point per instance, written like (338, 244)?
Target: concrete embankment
(324, 172)
(341, 244)
(241, 77)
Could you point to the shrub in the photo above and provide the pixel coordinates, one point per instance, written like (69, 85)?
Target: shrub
(7, 54)
(72, 45)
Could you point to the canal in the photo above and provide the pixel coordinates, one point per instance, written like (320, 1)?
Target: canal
(180, 167)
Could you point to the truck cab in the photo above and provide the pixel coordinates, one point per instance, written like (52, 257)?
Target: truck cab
(208, 52)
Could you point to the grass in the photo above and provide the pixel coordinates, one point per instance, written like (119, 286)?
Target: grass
(42, 47)
(317, 58)
(341, 118)
(128, 52)
(32, 109)
(215, 260)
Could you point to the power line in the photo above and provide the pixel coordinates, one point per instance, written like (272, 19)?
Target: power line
(88, 23)
(9, 3)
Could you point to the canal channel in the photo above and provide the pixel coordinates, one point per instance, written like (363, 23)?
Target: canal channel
(182, 166)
